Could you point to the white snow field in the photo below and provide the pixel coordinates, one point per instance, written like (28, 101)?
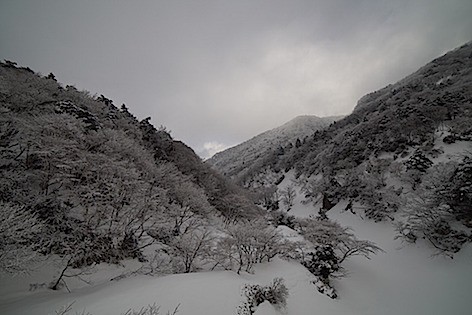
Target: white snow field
(403, 280)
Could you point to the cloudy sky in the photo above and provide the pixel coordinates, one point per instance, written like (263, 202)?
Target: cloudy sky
(217, 73)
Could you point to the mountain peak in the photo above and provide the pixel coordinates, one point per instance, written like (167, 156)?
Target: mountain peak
(236, 160)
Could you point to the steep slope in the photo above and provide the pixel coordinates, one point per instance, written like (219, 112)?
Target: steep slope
(84, 180)
(396, 118)
(235, 161)
(404, 154)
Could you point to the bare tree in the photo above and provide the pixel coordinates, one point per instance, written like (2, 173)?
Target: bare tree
(249, 243)
(191, 247)
(288, 196)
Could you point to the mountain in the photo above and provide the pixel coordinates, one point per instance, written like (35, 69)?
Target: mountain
(403, 155)
(81, 178)
(84, 184)
(235, 161)
(396, 119)
(87, 190)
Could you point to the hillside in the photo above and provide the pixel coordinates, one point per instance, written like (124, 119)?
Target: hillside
(397, 118)
(84, 180)
(402, 280)
(403, 155)
(238, 160)
(86, 188)
(103, 213)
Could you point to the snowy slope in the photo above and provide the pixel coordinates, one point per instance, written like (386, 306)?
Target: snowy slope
(233, 161)
(403, 280)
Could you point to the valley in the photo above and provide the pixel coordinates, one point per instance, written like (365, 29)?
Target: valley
(371, 213)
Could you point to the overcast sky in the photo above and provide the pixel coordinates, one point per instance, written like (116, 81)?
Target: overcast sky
(217, 73)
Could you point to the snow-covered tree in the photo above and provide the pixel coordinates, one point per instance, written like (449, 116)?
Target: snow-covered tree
(18, 230)
(287, 196)
(269, 197)
(246, 244)
(333, 244)
(459, 191)
(430, 209)
(323, 263)
(343, 241)
(416, 166)
(191, 247)
(187, 204)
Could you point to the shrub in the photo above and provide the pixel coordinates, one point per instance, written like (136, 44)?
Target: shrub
(443, 196)
(248, 244)
(323, 263)
(449, 139)
(152, 309)
(332, 245)
(418, 161)
(255, 294)
(282, 218)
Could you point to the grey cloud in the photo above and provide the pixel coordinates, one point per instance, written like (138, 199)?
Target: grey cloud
(220, 72)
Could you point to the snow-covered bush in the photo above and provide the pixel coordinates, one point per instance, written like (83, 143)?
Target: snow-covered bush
(327, 187)
(189, 248)
(324, 264)
(255, 294)
(367, 185)
(431, 222)
(416, 166)
(282, 218)
(325, 289)
(246, 244)
(18, 228)
(341, 239)
(277, 293)
(459, 191)
(268, 197)
(150, 310)
(443, 196)
(332, 245)
(287, 196)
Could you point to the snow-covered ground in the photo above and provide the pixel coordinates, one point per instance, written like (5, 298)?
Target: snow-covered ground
(403, 280)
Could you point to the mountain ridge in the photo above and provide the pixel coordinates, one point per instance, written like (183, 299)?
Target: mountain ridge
(98, 181)
(233, 162)
(403, 155)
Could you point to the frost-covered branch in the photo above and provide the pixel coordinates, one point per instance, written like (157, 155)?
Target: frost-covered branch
(17, 229)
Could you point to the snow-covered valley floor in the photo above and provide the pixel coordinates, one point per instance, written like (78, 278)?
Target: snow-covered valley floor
(402, 280)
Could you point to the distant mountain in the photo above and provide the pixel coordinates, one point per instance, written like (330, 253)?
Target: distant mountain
(235, 161)
(404, 154)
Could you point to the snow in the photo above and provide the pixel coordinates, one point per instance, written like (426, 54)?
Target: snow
(453, 151)
(405, 279)
(299, 209)
(265, 309)
(194, 293)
